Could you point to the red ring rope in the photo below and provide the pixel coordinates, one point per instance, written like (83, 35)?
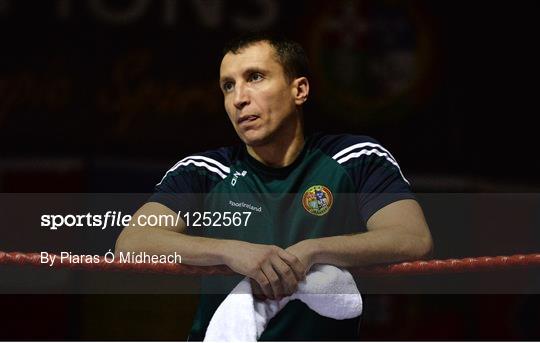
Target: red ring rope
(470, 264)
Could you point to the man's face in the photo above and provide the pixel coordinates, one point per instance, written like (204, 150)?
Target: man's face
(258, 97)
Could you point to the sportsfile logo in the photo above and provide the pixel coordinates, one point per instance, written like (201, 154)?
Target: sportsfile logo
(236, 175)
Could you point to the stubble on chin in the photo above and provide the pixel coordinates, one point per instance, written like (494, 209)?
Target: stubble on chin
(257, 141)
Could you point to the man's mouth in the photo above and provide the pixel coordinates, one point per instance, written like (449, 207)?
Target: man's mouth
(247, 119)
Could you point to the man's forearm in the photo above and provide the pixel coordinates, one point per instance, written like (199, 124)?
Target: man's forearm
(372, 247)
(249, 259)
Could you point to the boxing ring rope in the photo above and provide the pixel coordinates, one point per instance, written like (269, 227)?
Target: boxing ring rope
(470, 264)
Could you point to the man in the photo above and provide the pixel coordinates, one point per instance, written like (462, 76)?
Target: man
(339, 200)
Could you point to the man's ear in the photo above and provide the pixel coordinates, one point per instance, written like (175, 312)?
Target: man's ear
(301, 90)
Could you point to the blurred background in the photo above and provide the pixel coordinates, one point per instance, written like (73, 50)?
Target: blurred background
(104, 96)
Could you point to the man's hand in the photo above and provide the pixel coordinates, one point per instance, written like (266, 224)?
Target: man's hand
(276, 271)
(304, 251)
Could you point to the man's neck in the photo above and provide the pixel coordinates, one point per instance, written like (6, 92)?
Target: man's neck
(279, 153)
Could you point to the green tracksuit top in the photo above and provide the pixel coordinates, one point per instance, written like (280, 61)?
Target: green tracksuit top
(332, 188)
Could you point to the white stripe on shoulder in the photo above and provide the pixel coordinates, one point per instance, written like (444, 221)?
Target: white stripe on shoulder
(368, 152)
(362, 145)
(216, 167)
(210, 160)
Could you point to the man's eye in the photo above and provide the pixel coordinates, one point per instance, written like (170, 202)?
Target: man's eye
(228, 86)
(255, 77)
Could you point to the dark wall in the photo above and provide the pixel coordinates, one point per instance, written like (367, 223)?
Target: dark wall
(447, 86)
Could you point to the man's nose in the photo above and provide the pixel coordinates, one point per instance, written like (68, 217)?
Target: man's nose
(241, 96)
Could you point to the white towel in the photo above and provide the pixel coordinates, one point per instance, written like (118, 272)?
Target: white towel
(327, 290)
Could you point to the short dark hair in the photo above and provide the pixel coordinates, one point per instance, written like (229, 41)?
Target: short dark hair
(289, 53)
